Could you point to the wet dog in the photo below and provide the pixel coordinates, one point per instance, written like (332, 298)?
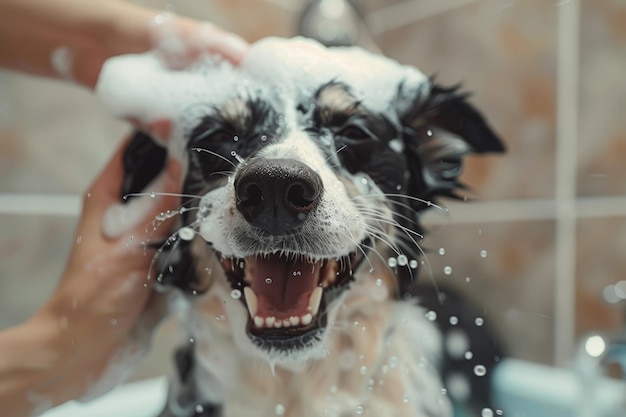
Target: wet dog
(299, 244)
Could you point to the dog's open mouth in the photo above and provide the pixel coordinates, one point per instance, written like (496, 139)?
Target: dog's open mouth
(286, 294)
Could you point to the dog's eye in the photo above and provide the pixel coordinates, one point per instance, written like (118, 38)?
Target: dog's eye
(354, 132)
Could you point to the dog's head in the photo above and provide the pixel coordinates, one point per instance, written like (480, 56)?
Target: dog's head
(304, 169)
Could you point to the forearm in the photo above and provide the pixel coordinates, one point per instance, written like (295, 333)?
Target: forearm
(30, 362)
(33, 31)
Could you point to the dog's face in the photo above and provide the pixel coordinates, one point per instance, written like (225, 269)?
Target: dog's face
(310, 166)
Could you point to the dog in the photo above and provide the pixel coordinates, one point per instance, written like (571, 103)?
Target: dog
(298, 245)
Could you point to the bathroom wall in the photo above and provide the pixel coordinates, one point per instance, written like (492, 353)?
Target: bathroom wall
(544, 227)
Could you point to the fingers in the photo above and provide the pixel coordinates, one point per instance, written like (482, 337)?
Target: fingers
(105, 214)
(180, 41)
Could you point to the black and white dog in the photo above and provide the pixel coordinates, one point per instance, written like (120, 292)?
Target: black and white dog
(299, 242)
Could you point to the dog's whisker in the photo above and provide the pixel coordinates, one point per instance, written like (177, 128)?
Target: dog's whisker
(384, 219)
(222, 157)
(154, 194)
(336, 152)
(224, 173)
(379, 213)
(429, 203)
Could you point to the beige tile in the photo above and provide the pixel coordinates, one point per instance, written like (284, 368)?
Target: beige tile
(600, 262)
(54, 137)
(602, 141)
(507, 271)
(504, 52)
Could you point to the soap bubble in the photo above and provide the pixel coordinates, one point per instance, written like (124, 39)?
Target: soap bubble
(431, 315)
(447, 270)
(480, 370)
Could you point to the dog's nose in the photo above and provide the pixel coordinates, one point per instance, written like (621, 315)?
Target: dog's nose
(276, 195)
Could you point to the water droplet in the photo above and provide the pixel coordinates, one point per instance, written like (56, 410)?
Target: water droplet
(399, 187)
(393, 361)
(263, 138)
(379, 282)
(268, 280)
(479, 321)
(499, 412)
(199, 409)
(405, 398)
(442, 251)
(186, 233)
(454, 320)
(280, 409)
(444, 391)
(431, 315)
(483, 253)
(402, 260)
(486, 412)
(392, 262)
(194, 292)
(236, 294)
(364, 181)
(363, 370)
(429, 132)
(152, 194)
(413, 264)
(220, 317)
(113, 322)
(297, 273)
(447, 270)
(468, 355)
(235, 138)
(359, 409)
(480, 370)
(192, 340)
(79, 239)
(467, 279)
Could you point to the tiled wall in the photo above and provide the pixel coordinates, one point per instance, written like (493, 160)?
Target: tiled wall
(550, 214)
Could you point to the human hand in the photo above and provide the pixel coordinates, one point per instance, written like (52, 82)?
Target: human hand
(64, 349)
(71, 39)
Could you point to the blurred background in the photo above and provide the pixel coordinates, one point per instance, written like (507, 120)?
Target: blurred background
(542, 242)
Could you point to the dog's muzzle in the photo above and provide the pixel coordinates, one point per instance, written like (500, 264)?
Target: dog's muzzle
(276, 195)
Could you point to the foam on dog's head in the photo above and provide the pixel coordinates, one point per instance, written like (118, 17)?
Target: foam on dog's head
(142, 88)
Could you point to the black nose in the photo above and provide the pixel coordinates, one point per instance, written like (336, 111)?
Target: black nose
(276, 195)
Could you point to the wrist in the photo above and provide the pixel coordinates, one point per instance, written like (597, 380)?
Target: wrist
(30, 361)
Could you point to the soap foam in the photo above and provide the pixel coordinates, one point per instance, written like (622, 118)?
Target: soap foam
(142, 87)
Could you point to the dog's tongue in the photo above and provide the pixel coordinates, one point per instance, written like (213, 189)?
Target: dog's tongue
(282, 284)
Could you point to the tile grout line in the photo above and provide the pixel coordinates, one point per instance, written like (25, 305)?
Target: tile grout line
(565, 191)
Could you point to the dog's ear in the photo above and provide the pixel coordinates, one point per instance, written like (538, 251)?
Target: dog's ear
(440, 127)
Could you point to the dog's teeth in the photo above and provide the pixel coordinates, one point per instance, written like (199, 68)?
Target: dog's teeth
(258, 321)
(278, 324)
(270, 321)
(294, 320)
(286, 323)
(315, 300)
(251, 301)
(306, 319)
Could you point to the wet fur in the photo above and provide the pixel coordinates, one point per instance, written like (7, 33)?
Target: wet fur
(379, 351)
